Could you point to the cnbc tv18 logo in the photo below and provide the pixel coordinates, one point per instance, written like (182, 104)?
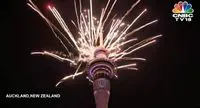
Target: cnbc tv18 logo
(183, 11)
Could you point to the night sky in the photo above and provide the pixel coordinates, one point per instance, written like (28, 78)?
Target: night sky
(167, 79)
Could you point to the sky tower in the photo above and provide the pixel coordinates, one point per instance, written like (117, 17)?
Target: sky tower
(100, 71)
(93, 51)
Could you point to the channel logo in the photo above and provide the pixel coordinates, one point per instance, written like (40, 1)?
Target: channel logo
(183, 11)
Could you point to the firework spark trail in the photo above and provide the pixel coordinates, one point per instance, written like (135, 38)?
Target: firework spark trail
(119, 23)
(126, 66)
(52, 26)
(108, 13)
(68, 77)
(98, 29)
(53, 55)
(136, 46)
(112, 33)
(89, 79)
(77, 70)
(91, 35)
(128, 11)
(133, 69)
(35, 8)
(124, 32)
(132, 7)
(141, 27)
(122, 44)
(82, 32)
(128, 41)
(130, 58)
(91, 22)
(63, 24)
(77, 18)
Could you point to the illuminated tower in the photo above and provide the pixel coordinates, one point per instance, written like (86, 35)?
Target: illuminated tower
(94, 47)
(100, 71)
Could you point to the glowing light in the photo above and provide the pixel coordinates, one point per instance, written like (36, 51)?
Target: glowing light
(49, 6)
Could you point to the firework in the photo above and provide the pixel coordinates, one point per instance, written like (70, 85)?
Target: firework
(92, 36)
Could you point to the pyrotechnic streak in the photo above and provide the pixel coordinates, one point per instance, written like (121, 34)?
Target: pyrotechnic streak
(135, 49)
(75, 8)
(91, 22)
(135, 4)
(68, 77)
(53, 55)
(52, 26)
(124, 32)
(128, 41)
(117, 40)
(77, 70)
(89, 79)
(129, 58)
(63, 24)
(126, 66)
(109, 12)
(133, 69)
(141, 27)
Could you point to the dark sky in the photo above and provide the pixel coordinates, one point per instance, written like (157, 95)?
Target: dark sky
(167, 79)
